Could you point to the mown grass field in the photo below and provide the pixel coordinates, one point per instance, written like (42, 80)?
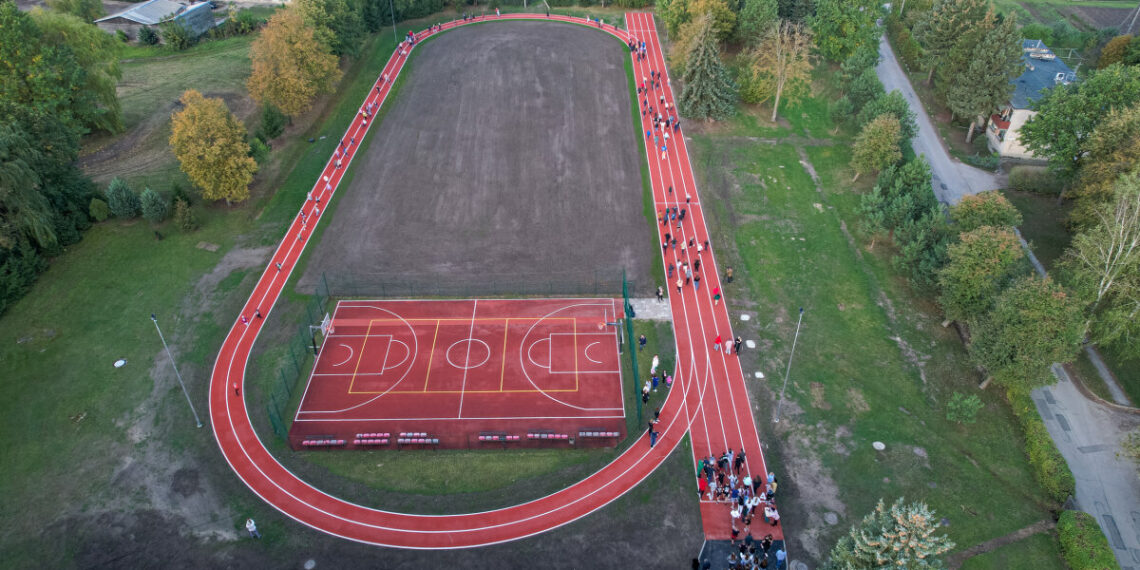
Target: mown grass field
(872, 363)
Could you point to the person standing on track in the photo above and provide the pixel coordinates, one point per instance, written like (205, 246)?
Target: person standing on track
(716, 295)
(716, 343)
(736, 345)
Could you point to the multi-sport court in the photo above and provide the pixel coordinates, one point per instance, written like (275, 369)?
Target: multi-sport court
(466, 373)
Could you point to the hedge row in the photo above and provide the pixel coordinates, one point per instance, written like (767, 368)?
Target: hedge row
(1083, 543)
(1048, 464)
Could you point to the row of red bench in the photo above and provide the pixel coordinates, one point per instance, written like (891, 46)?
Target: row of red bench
(499, 437)
(418, 440)
(598, 434)
(322, 442)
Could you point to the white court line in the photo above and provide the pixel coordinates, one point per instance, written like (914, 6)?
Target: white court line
(449, 419)
(530, 352)
(347, 358)
(586, 352)
(463, 387)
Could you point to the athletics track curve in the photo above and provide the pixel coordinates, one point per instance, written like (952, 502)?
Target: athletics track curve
(708, 394)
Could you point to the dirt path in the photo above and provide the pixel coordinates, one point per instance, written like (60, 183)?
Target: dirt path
(955, 561)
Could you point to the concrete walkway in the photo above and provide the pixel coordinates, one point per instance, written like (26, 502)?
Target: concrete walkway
(651, 309)
(951, 179)
(1089, 436)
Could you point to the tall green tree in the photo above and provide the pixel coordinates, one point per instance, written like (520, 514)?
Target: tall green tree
(675, 13)
(985, 209)
(1114, 51)
(922, 249)
(336, 23)
(709, 92)
(781, 64)
(954, 65)
(1067, 115)
(795, 10)
(943, 27)
(754, 20)
(895, 105)
(1114, 150)
(86, 10)
(842, 26)
(24, 211)
(1033, 324)
(97, 53)
(987, 82)
(877, 146)
(902, 193)
(1103, 266)
(982, 264)
(899, 536)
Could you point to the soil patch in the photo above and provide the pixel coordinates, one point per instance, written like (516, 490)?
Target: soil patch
(529, 170)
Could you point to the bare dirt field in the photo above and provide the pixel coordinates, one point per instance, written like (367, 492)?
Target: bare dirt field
(1098, 16)
(508, 154)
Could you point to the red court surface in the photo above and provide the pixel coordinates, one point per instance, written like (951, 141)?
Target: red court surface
(458, 369)
(709, 400)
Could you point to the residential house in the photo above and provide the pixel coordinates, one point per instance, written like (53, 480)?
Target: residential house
(1043, 71)
(198, 18)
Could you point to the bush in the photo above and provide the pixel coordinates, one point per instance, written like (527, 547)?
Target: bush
(99, 210)
(19, 267)
(176, 36)
(985, 162)
(1034, 179)
(122, 201)
(122, 36)
(1036, 31)
(1083, 543)
(1049, 466)
(154, 208)
(963, 409)
(259, 151)
(273, 123)
(184, 216)
(147, 36)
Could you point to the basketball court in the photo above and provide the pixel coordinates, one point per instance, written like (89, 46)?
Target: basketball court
(459, 373)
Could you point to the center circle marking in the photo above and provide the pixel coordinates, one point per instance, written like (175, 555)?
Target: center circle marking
(468, 350)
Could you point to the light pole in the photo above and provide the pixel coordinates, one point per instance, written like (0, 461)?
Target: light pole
(176, 372)
(393, 12)
(786, 372)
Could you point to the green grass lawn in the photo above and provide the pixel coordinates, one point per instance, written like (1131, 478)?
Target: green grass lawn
(1038, 552)
(1043, 224)
(872, 360)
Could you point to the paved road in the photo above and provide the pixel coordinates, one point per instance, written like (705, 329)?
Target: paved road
(952, 179)
(1089, 435)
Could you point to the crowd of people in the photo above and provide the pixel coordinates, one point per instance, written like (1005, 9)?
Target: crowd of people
(725, 479)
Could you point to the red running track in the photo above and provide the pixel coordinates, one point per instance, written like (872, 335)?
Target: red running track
(709, 394)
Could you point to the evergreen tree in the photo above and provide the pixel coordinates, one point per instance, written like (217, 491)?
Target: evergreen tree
(943, 28)
(902, 536)
(877, 146)
(902, 193)
(123, 202)
(756, 16)
(154, 208)
(953, 66)
(922, 249)
(987, 82)
(895, 105)
(709, 92)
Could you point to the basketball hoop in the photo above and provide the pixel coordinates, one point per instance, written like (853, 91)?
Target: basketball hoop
(602, 326)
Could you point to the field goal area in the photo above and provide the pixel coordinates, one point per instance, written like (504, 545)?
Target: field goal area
(479, 365)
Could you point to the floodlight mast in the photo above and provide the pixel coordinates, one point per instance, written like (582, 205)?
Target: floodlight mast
(176, 372)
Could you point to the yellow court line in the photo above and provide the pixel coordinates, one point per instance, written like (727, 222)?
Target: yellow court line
(564, 390)
(431, 355)
(575, 354)
(367, 335)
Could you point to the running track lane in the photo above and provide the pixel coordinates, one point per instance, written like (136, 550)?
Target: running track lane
(268, 479)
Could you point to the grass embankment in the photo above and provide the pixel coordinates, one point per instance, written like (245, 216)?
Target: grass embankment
(872, 363)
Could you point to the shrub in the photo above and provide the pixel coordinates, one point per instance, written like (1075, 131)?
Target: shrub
(147, 36)
(1036, 31)
(184, 216)
(258, 150)
(154, 208)
(963, 409)
(99, 210)
(122, 36)
(1034, 179)
(273, 122)
(1083, 543)
(122, 201)
(176, 36)
(1049, 466)
(19, 267)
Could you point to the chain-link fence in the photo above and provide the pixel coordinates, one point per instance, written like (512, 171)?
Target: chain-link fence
(381, 286)
(300, 348)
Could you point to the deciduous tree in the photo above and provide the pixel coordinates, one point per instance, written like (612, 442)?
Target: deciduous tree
(899, 536)
(877, 146)
(782, 62)
(1103, 266)
(1033, 324)
(97, 53)
(86, 10)
(1114, 149)
(895, 105)
(1067, 115)
(209, 142)
(981, 265)
(989, 208)
(675, 13)
(709, 92)
(842, 26)
(290, 68)
(1114, 51)
(336, 23)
